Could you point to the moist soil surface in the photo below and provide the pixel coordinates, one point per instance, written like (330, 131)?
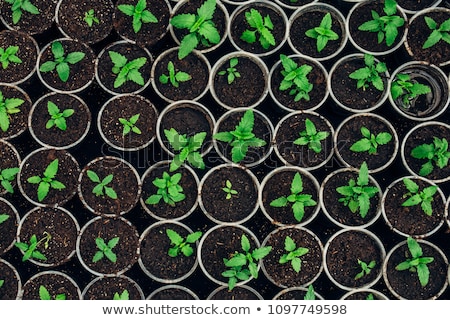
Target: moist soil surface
(295, 294)
(172, 294)
(9, 158)
(10, 288)
(415, 5)
(363, 295)
(105, 288)
(238, 293)
(54, 283)
(18, 122)
(8, 228)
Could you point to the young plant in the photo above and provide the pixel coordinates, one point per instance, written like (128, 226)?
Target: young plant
(19, 6)
(310, 294)
(105, 249)
(187, 148)
(407, 90)
(311, 137)
(295, 79)
(174, 76)
(417, 262)
(7, 176)
(293, 254)
(231, 71)
(8, 56)
(366, 268)
(169, 190)
(3, 217)
(139, 13)
(31, 249)
(228, 190)
(45, 295)
(438, 33)
(415, 196)
(201, 28)
(386, 25)
(181, 245)
(357, 194)
(435, 153)
(8, 106)
(370, 141)
(102, 185)
(127, 70)
(261, 26)
(58, 118)
(47, 181)
(243, 265)
(323, 32)
(371, 73)
(90, 18)
(61, 62)
(370, 297)
(122, 296)
(242, 137)
(298, 200)
(130, 125)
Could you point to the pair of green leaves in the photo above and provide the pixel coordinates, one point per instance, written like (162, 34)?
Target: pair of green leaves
(323, 32)
(370, 141)
(293, 254)
(187, 148)
(8, 106)
(90, 18)
(139, 14)
(174, 76)
(7, 176)
(370, 74)
(169, 190)
(438, 33)
(19, 6)
(122, 296)
(311, 137)
(8, 56)
(129, 125)
(295, 79)
(45, 295)
(47, 181)
(415, 196)
(259, 26)
(231, 71)
(105, 249)
(366, 268)
(407, 89)
(181, 245)
(58, 118)
(127, 70)
(31, 249)
(102, 187)
(228, 189)
(436, 153)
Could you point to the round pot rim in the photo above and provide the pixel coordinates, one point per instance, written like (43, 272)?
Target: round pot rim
(19, 160)
(27, 99)
(16, 273)
(380, 295)
(172, 286)
(123, 276)
(314, 114)
(447, 210)
(234, 3)
(17, 216)
(372, 115)
(243, 286)
(368, 233)
(286, 290)
(222, 60)
(102, 109)
(412, 12)
(292, 7)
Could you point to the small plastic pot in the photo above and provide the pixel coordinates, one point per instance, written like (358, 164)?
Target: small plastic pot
(13, 284)
(172, 292)
(295, 293)
(10, 158)
(105, 287)
(357, 294)
(18, 123)
(241, 292)
(292, 5)
(422, 6)
(8, 229)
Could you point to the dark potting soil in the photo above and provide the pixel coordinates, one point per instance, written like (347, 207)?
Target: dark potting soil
(10, 287)
(71, 14)
(106, 287)
(311, 263)
(245, 90)
(297, 3)
(194, 65)
(351, 133)
(238, 293)
(77, 124)
(54, 283)
(295, 294)
(9, 158)
(154, 253)
(18, 122)
(407, 283)
(172, 293)
(338, 210)
(59, 225)
(240, 205)
(162, 209)
(279, 185)
(80, 73)
(125, 107)
(363, 295)
(415, 5)
(299, 155)
(8, 228)
(343, 254)
(412, 220)
(126, 249)
(27, 53)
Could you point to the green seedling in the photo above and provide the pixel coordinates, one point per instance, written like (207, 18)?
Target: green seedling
(19, 6)
(127, 70)
(139, 14)
(295, 79)
(259, 26)
(293, 255)
(298, 200)
(242, 265)
(417, 262)
(58, 118)
(102, 185)
(1, 283)
(438, 33)
(415, 196)
(31, 249)
(370, 297)
(357, 194)
(174, 76)
(8, 106)
(370, 141)
(311, 137)
(122, 296)
(435, 153)
(310, 294)
(242, 137)
(228, 189)
(105, 249)
(48, 180)
(169, 190)
(187, 148)
(407, 90)
(231, 71)
(90, 18)
(61, 62)
(366, 268)
(181, 245)
(370, 74)
(386, 25)
(200, 26)
(45, 295)
(3, 217)
(130, 125)
(7, 176)
(323, 32)
(8, 56)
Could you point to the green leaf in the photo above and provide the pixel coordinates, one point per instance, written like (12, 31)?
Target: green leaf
(414, 247)
(117, 59)
(176, 140)
(363, 177)
(411, 185)
(110, 193)
(63, 71)
(47, 66)
(154, 199)
(52, 169)
(174, 237)
(427, 208)
(183, 21)
(44, 294)
(236, 261)
(289, 244)
(195, 159)
(127, 9)
(248, 36)
(29, 7)
(260, 253)
(206, 10)
(148, 17)
(297, 184)
(93, 176)
(113, 242)
(3, 218)
(361, 146)
(187, 250)
(245, 243)
(426, 169)
(187, 45)
(57, 49)
(75, 57)
(298, 208)
(193, 237)
(279, 202)
(209, 31)
(43, 190)
(424, 274)
(111, 256)
(57, 185)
